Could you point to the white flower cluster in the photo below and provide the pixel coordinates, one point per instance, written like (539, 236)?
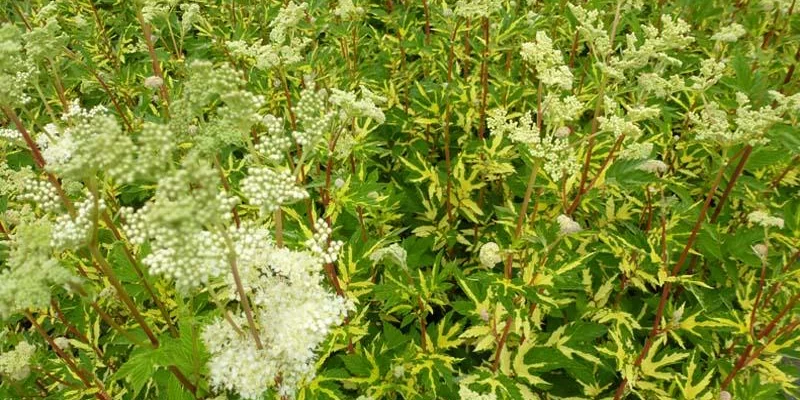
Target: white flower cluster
(590, 25)
(42, 194)
(780, 5)
(91, 141)
(32, 271)
(296, 311)
(71, 232)
(241, 110)
(567, 225)
(764, 219)
(785, 103)
(313, 116)
(205, 83)
(729, 33)
(176, 224)
(270, 55)
(476, 8)
(153, 10)
(490, 255)
(10, 134)
(657, 43)
(286, 20)
(191, 15)
(353, 107)
(556, 152)
(559, 110)
(392, 253)
(269, 189)
(751, 125)
(15, 70)
(321, 244)
(711, 70)
(190, 260)
(274, 148)
(548, 61)
(15, 364)
(654, 84)
(346, 9)
(712, 123)
(619, 126)
(277, 52)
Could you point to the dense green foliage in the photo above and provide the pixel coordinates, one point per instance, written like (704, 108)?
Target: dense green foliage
(399, 199)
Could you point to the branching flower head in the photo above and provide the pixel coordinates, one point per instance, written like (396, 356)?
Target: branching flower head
(548, 61)
(729, 33)
(32, 271)
(764, 219)
(15, 364)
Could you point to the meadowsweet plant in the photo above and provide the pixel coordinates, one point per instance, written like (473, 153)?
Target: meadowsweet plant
(397, 199)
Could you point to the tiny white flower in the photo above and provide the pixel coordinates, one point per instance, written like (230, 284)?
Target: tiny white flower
(567, 225)
(153, 82)
(490, 255)
(653, 166)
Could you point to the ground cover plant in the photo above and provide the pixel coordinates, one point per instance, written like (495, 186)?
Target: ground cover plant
(399, 199)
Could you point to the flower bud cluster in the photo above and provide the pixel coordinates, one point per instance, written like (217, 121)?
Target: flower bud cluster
(619, 126)
(490, 255)
(556, 152)
(241, 109)
(286, 21)
(548, 61)
(31, 270)
(313, 116)
(590, 25)
(69, 232)
(274, 148)
(15, 70)
(269, 189)
(42, 194)
(153, 82)
(15, 364)
(10, 134)
(321, 245)
(353, 107)
(567, 225)
(91, 141)
(179, 225)
(711, 70)
(190, 260)
(712, 124)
